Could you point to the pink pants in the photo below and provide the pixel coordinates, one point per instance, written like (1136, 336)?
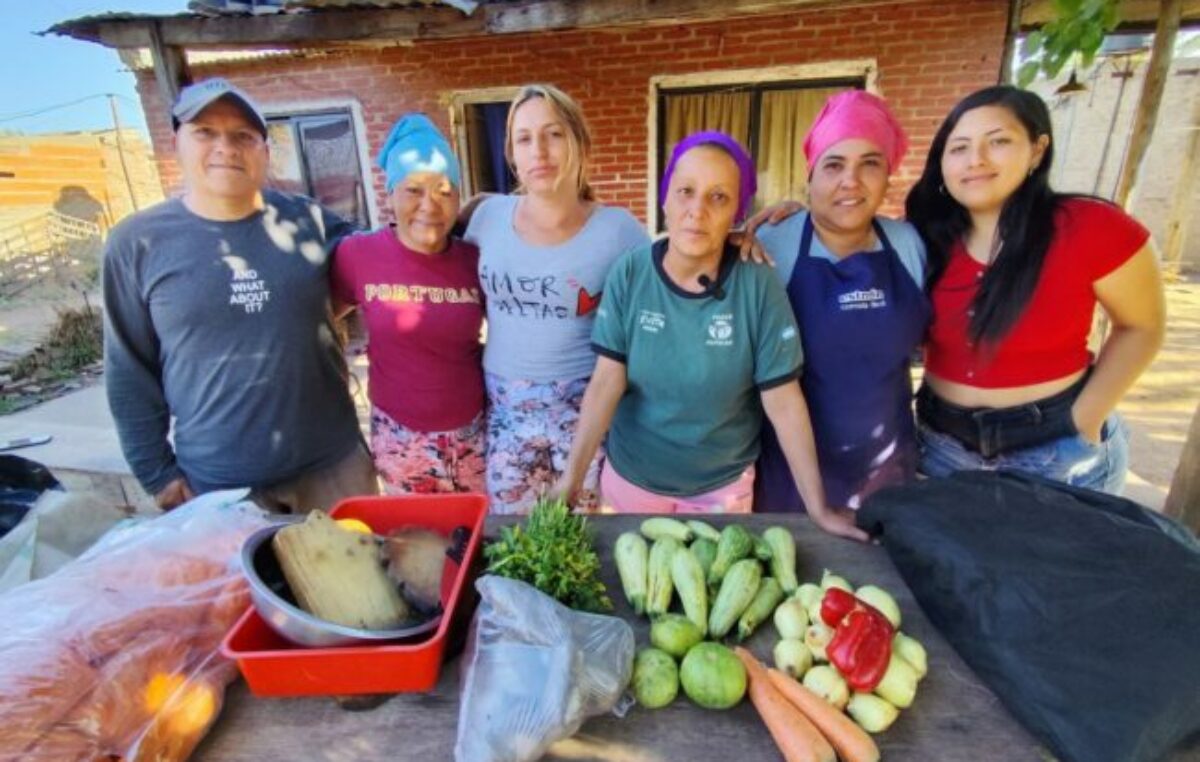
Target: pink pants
(625, 497)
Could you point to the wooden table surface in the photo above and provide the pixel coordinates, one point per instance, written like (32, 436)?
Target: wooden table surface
(954, 717)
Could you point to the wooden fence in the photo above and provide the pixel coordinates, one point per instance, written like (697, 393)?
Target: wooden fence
(47, 248)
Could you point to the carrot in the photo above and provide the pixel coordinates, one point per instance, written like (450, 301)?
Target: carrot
(853, 744)
(797, 738)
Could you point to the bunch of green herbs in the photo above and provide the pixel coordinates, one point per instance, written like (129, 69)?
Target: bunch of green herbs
(552, 551)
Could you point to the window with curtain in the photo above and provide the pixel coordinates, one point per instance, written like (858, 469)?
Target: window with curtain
(769, 119)
(487, 169)
(317, 155)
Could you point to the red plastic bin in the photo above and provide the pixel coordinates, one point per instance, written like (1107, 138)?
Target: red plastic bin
(274, 666)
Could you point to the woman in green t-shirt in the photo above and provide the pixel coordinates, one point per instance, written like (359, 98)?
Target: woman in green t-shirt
(693, 347)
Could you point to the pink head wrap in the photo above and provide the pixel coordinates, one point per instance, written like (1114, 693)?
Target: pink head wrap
(856, 114)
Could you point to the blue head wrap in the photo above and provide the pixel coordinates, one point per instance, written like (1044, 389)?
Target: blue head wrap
(416, 145)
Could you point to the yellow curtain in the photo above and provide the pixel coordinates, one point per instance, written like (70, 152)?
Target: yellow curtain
(727, 112)
(784, 119)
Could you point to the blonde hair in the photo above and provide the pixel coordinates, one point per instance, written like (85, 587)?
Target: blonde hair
(579, 141)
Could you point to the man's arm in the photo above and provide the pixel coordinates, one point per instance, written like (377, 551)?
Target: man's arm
(133, 379)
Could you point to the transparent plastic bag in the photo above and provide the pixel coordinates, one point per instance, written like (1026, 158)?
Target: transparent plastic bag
(534, 670)
(116, 655)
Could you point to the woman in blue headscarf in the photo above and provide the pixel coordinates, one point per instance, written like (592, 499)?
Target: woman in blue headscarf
(693, 347)
(418, 289)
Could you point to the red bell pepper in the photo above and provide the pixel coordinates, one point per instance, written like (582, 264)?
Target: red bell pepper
(836, 604)
(861, 647)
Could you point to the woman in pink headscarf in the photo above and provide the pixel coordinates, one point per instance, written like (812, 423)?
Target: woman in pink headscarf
(855, 282)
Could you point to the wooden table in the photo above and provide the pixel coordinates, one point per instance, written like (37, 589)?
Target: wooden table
(954, 717)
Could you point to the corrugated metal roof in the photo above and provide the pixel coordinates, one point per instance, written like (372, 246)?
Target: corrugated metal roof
(120, 16)
(360, 3)
(217, 7)
(201, 10)
(140, 58)
(466, 6)
(88, 27)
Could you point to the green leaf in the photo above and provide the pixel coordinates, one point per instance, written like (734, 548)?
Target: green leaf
(1055, 63)
(1033, 43)
(1078, 28)
(1110, 17)
(553, 551)
(1027, 73)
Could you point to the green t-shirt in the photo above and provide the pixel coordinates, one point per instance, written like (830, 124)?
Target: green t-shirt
(696, 364)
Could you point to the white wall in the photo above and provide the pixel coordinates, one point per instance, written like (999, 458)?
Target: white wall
(1083, 122)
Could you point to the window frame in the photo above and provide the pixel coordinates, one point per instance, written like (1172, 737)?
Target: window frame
(291, 110)
(864, 70)
(457, 102)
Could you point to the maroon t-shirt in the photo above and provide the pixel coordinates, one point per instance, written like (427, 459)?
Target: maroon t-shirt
(423, 314)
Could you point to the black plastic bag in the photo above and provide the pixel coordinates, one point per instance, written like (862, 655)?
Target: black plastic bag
(22, 482)
(1080, 610)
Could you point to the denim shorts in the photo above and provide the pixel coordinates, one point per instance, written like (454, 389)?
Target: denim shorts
(995, 431)
(1070, 459)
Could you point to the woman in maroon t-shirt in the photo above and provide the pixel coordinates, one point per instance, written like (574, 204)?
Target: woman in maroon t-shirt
(419, 293)
(1015, 273)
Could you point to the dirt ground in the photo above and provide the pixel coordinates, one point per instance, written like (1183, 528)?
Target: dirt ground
(1159, 408)
(24, 320)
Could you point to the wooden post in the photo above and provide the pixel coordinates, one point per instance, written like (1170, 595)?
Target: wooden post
(170, 66)
(1178, 219)
(112, 105)
(1152, 90)
(1183, 500)
(1010, 42)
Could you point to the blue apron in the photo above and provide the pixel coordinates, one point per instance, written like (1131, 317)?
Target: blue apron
(860, 319)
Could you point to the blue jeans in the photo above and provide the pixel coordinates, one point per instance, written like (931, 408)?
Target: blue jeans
(1071, 460)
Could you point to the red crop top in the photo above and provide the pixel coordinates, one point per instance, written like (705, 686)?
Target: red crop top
(1049, 340)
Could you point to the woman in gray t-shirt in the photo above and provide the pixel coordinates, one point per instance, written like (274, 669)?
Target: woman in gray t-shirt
(544, 255)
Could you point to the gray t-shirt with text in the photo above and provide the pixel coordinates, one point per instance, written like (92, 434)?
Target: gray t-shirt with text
(541, 300)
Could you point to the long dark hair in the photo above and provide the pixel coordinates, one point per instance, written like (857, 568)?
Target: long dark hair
(1026, 225)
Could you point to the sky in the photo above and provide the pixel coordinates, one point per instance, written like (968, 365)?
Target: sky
(48, 73)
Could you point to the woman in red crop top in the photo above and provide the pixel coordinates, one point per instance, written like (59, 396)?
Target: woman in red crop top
(1016, 271)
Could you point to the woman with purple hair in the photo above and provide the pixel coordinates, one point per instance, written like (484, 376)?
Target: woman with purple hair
(693, 347)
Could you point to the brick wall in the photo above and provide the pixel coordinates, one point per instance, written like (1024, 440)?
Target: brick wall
(929, 55)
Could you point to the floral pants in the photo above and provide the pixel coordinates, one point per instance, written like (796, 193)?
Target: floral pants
(423, 462)
(529, 432)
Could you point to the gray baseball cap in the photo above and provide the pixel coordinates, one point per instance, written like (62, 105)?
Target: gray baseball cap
(196, 97)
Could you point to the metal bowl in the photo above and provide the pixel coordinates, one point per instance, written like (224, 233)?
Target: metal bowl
(277, 606)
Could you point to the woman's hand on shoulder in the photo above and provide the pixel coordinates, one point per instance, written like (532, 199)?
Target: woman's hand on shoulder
(747, 242)
(750, 249)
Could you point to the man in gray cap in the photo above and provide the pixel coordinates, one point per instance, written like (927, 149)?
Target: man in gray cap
(217, 315)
